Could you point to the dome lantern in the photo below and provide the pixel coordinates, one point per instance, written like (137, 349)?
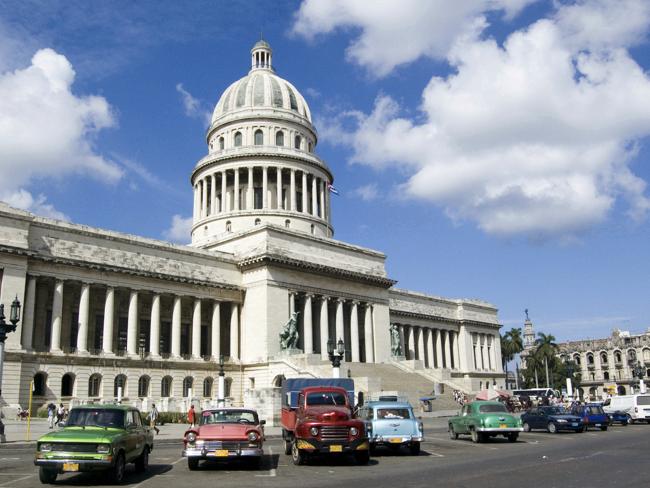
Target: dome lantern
(261, 55)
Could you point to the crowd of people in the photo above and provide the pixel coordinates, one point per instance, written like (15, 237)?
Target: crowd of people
(460, 397)
(56, 415)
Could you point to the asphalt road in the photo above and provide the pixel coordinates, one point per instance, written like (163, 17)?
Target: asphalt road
(618, 457)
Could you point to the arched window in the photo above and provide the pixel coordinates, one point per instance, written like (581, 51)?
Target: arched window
(143, 386)
(603, 358)
(67, 385)
(297, 142)
(94, 384)
(166, 387)
(258, 221)
(287, 223)
(278, 381)
(279, 138)
(259, 137)
(313, 229)
(221, 143)
(617, 356)
(227, 387)
(309, 147)
(120, 382)
(646, 354)
(631, 355)
(590, 359)
(207, 387)
(40, 380)
(576, 358)
(187, 386)
(238, 139)
(606, 375)
(228, 226)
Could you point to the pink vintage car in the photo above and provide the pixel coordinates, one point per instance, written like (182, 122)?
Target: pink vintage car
(225, 434)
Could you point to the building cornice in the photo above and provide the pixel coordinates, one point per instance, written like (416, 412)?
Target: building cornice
(447, 320)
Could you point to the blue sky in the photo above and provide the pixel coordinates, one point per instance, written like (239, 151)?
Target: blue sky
(494, 150)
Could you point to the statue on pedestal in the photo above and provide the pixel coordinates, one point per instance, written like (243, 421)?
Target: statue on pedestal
(289, 335)
(395, 341)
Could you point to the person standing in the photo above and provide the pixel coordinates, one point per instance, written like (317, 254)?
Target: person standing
(51, 412)
(60, 414)
(153, 418)
(191, 415)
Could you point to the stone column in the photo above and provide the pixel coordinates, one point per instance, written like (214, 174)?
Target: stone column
(481, 344)
(304, 192)
(109, 320)
(57, 316)
(213, 194)
(224, 180)
(324, 327)
(322, 199)
(82, 332)
(431, 347)
(421, 355)
(402, 339)
(196, 329)
(308, 339)
(314, 196)
(236, 190)
(411, 343)
(368, 333)
(457, 363)
(292, 303)
(234, 332)
(132, 330)
(440, 360)
(278, 189)
(204, 197)
(196, 202)
(293, 190)
(154, 329)
(340, 325)
(176, 328)
(265, 187)
(354, 332)
(216, 330)
(250, 194)
(449, 358)
(28, 313)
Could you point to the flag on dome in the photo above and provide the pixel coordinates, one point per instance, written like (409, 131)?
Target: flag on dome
(332, 189)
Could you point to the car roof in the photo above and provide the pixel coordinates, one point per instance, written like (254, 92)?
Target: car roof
(105, 406)
(378, 404)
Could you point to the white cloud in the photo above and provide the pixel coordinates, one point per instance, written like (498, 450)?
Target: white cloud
(47, 131)
(25, 200)
(180, 230)
(193, 106)
(534, 137)
(367, 192)
(394, 33)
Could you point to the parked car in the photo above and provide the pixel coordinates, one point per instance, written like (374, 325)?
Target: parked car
(552, 419)
(636, 407)
(95, 437)
(618, 417)
(225, 434)
(592, 415)
(392, 424)
(482, 420)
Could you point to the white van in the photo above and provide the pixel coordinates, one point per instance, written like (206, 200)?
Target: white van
(637, 407)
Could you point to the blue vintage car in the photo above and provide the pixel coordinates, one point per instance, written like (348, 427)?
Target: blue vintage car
(592, 415)
(393, 425)
(552, 419)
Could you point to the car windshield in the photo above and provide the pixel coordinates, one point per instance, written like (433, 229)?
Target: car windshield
(95, 417)
(595, 410)
(554, 411)
(228, 417)
(643, 400)
(393, 413)
(492, 408)
(326, 398)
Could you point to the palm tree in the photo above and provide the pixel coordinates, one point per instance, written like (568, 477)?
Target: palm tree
(546, 351)
(511, 345)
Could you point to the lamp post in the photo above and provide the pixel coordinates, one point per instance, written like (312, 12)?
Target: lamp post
(638, 372)
(336, 356)
(221, 398)
(569, 375)
(5, 328)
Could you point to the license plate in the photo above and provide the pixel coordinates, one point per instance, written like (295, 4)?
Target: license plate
(574, 424)
(336, 448)
(503, 426)
(597, 425)
(70, 467)
(395, 440)
(221, 453)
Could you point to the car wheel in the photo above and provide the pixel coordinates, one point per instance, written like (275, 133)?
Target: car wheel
(603, 427)
(47, 476)
(452, 432)
(526, 427)
(192, 463)
(630, 420)
(552, 428)
(287, 446)
(414, 448)
(476, 436)
(117, 473)
(581, 429)
(362, 457)
(297, 456)
(513, 436)
(142, 463)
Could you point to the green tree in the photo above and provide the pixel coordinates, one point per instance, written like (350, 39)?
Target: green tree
(546, 354)
(511, 345)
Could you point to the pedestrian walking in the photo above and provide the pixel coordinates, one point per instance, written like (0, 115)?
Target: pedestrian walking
(51, 414)
(153, 418)
(60, 414)
(191, 415)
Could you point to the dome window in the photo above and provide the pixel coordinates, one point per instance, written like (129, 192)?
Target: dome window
(259, 137)
(221, 143)
(297, 142)
(258, 221)
(310, 147)
(279, 138)
(238, 139)
(287, 224)
(313, 229)
(229, 226)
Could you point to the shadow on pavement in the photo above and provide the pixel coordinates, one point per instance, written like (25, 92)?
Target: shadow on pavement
(99, 477)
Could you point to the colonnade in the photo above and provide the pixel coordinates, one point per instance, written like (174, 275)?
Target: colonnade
(134, 317)
(343, 315)
(485, 352)
(435, 347)
(261, 187)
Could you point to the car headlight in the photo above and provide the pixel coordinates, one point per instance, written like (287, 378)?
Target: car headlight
(252, 436)
(313, 431)
(354, 431)
(191, 437)
(103, 448)
(561, 421)
(45, 447)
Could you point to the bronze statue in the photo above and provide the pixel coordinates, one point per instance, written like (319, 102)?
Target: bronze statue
(289, 335)
(395, 341)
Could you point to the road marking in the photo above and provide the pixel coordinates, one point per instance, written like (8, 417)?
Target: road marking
(272, 472)
(17, 480)
(9, 459)
(153, 477)
(178, 460)
(435, 454)
(463, 443)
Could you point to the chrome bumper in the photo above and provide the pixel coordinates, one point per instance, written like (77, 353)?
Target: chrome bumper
(390, 439)
(497, 429)
(204, 453)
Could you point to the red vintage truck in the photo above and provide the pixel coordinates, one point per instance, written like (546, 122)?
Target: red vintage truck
(318, 419)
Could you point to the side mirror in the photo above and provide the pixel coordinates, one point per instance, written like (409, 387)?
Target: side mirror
(262, 422)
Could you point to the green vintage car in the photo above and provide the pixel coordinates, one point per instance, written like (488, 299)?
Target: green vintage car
(482, 420)
(95, 437)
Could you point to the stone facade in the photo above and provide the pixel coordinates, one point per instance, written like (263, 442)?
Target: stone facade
(108, 315)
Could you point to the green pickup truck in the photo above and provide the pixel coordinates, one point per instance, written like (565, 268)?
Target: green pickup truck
(95, 437)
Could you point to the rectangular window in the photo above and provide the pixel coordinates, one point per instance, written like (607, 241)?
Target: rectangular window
(165, 332)
(204, 340)
(98, 339)
(257, 198)
(299, 201)
(122, 333)
(74, 330)
(143, 340)
(185, 339)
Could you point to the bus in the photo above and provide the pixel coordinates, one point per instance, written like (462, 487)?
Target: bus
(537, 393)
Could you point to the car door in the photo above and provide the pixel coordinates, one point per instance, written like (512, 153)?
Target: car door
(531, 418)
(464, 419)
(131, 436)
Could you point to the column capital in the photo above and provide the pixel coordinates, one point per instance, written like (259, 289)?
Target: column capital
(309, 295)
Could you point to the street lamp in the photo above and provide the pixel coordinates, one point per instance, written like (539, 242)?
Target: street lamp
(221, 398)
(5, 328)
(336, 356)
(638, 371)
(568, 365)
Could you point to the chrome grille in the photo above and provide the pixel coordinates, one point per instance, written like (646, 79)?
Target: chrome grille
(333, 433)
(229, 445)
(64, 447)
